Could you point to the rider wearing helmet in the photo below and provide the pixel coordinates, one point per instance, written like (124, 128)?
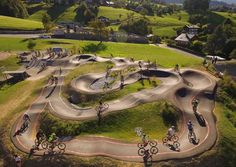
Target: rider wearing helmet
(190, 126)
(171, 132)
(39, 134)
(195, 103)
(53, 137)
(145, 140)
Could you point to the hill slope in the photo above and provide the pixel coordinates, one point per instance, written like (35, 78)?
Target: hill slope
(12, 23)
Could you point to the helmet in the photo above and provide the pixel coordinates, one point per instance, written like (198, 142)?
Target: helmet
(172, 127)
(189, 121)
(53, 134)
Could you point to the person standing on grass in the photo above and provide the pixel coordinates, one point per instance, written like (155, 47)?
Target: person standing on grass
(17, 159)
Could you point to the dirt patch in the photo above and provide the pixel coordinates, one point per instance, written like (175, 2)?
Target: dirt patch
(4, 55)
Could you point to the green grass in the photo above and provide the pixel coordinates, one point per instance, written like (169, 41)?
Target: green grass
(162, 26)
(115, 13)
(165, 31)
(128, 89)
(57, 13)
(227, 144)
(164, 57)
(12, 23)
(10, 63)
(119, 125)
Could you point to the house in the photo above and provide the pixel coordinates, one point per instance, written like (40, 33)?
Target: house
(191, 29)
(185, 39)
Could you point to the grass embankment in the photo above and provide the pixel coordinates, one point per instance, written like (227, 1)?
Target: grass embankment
(162, 26)
(163, 57)
(11, 23)
(58, 13)
(154, 118)
(8, 64)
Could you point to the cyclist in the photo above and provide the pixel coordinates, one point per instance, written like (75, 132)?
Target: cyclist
(39, 135)
(140, 65)
(177, 68)
(146, 155)
(26, 117)
(171, 132)
(52, 139)
(195, 103)
(145, 140)
(190, 127)
(122, 80)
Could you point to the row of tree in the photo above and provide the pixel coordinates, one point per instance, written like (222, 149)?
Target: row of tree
(14, 8)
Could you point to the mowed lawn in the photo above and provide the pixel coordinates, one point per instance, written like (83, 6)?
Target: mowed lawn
(19, 24)
(164, 57)
(57, 13)
(115, 13)
(161, 26)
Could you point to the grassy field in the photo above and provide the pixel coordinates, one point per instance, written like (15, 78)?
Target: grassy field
(115, 13)
(164, 57)
(119, 125)
(10, 63)
(19, 24)
(57, 13)
(162, 26)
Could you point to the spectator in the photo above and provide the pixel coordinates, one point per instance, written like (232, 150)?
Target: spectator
(17, 160)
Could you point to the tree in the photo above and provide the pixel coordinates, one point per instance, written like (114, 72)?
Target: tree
(99, 29)
(31, 44)
(233, 54)
(46, 20)
(196, 6)
(139, 27)
(14, 8)
(230, 45)
(85, 12)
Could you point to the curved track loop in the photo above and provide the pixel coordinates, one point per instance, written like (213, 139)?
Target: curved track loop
(173, 88)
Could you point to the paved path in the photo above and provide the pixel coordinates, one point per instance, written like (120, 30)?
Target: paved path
(178, 50)
(179, 90)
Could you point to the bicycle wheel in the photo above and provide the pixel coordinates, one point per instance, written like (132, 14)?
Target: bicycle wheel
(37, 142)
(61, 146)
(176, 145)
(175, 138)
(154, 150)
(152, 143)
(140, 145)
(141, 151)
(44, 144)
(164, 140)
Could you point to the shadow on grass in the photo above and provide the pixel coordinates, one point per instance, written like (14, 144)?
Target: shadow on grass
(93, 48)
(55, 11)
(57, 42)
(215, 18)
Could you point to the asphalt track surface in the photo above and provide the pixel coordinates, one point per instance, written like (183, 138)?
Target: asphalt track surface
(178, 89)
